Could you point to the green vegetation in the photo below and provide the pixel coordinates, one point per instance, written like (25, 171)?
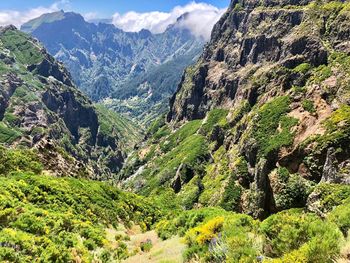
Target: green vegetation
(215, 235)
(308, 105)
(338, 130)
(114, 125)
(146, 246)
(331, 195)
(320, 74)
(291, 190)
(22, 46)
(216, 117)
(180, 135)
(273, 126)
(339, 119)
(48, 219)
(302, 68)
(8, 135)
(295, 235)
(19, 160)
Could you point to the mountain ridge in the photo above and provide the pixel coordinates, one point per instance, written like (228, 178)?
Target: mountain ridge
(41, 108)
(104, 60)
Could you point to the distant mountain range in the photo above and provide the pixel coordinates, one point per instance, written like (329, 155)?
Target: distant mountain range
(133, 73)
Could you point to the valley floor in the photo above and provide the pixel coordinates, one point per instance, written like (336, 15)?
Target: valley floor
(167, 251)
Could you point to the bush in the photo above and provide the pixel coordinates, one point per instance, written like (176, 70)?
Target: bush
(308, 105)
(291, 190)
(341, 217)
(302, 68)
(146, 246)
(12, 160)
(271, 116)
(301, 235)
(47, 217)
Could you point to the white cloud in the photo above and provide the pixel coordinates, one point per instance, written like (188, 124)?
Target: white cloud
(200, 19)
(17, 18)
(90, 16)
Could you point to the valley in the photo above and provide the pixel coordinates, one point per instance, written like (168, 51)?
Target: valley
(140, 147)
(132, 73)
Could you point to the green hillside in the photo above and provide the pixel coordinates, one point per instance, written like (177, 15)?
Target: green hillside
(48, 219)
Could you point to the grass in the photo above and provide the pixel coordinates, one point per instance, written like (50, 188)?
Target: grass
(8, 135)
(214, 117)
(180, 135)
(21, 47)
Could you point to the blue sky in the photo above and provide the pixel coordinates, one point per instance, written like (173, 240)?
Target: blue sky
(106, 8)
(129, 15)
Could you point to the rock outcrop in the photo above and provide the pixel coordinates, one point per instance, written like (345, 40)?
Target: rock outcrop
(41, 108)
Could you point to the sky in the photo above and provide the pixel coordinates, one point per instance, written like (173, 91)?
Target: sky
(106, 8)
(129, 15)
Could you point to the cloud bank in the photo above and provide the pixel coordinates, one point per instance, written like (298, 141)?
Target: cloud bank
(200, 19)
(18, 18)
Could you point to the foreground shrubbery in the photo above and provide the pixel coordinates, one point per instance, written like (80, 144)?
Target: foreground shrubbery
(215, 235)
(48, 219)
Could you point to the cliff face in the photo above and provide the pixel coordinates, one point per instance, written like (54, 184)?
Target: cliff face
(251, 39)
(41, 108)
(271, 94)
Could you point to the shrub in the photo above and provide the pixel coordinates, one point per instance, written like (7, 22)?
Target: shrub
(8, 135)
(44, 214)
(341, 217)
(308, 105)
(12, 160)
(271, 116)
(331, 195)
(296, 234)
(146, 246)
(302, 68)
(231, 196)
(291, 190)
(214, 117)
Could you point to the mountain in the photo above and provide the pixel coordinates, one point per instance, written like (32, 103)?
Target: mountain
(251, 163)
(108, 63)
(41, 108)
(258, 126)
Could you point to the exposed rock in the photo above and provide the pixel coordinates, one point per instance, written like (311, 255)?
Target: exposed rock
(41, 108)
(330, 172)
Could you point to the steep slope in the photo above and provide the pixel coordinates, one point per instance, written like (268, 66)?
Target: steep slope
(261, 118)
(41, 108)
(104, 60)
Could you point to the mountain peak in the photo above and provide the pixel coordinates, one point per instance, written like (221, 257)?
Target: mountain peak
(7, 28)
(35, 23)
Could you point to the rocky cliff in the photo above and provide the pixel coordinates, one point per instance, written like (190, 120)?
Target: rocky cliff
(264, 113)
(41, 108)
